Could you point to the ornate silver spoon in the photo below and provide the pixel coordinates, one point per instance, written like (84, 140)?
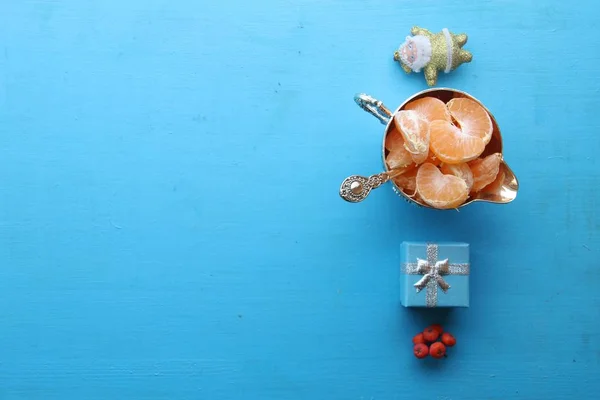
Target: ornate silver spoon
(356, 188)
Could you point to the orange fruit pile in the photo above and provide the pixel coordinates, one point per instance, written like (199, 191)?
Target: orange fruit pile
(435, 150)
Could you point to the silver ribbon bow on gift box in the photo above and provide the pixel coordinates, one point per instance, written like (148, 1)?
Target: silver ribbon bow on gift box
(433, 271)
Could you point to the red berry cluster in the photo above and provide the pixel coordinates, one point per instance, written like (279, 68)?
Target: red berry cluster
(435, 349)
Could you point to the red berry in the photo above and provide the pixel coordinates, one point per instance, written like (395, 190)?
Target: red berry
(430, 334)
(438, 328)
(421, 350)
(448, 339)
(419, 339)
(437, 350)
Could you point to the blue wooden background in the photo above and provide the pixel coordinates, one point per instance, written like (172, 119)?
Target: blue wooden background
(170, 226)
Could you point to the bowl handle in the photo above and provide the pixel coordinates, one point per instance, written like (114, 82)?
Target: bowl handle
(373, 107)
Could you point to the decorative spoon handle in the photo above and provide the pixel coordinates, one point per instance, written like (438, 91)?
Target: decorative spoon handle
(356, 188)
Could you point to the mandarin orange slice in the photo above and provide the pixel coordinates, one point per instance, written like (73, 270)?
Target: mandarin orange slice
(430, 109)
(496, 186)
(485, 170)
(407, 181)
(398, 156)
(461, 171)
(415, 131)
(453, 146)
(472, 118)
(417, 197)
(431, 158)
(439, 190)
(419, 158)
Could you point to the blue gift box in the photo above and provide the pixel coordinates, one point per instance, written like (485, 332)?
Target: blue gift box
(435, 274)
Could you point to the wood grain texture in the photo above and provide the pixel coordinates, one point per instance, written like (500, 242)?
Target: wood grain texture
(170, 226)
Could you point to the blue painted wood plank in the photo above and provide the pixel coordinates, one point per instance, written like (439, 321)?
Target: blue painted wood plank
(169, 219)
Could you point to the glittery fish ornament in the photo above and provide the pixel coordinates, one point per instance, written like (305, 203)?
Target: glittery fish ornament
(432, 52)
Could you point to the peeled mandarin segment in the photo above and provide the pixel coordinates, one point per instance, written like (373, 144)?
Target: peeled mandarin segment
(422, 158)
(417, 197)
(461, 171)
(430, 109)
(485, 170)
(472, 118)
(432, 158)
(496, 186)
(407, 181)
(414, 130)
(453, 146)
(419, 158)
(398, 156)
(439, 190)
(394, 140)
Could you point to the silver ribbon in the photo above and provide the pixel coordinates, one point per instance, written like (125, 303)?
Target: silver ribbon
(433, 271)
